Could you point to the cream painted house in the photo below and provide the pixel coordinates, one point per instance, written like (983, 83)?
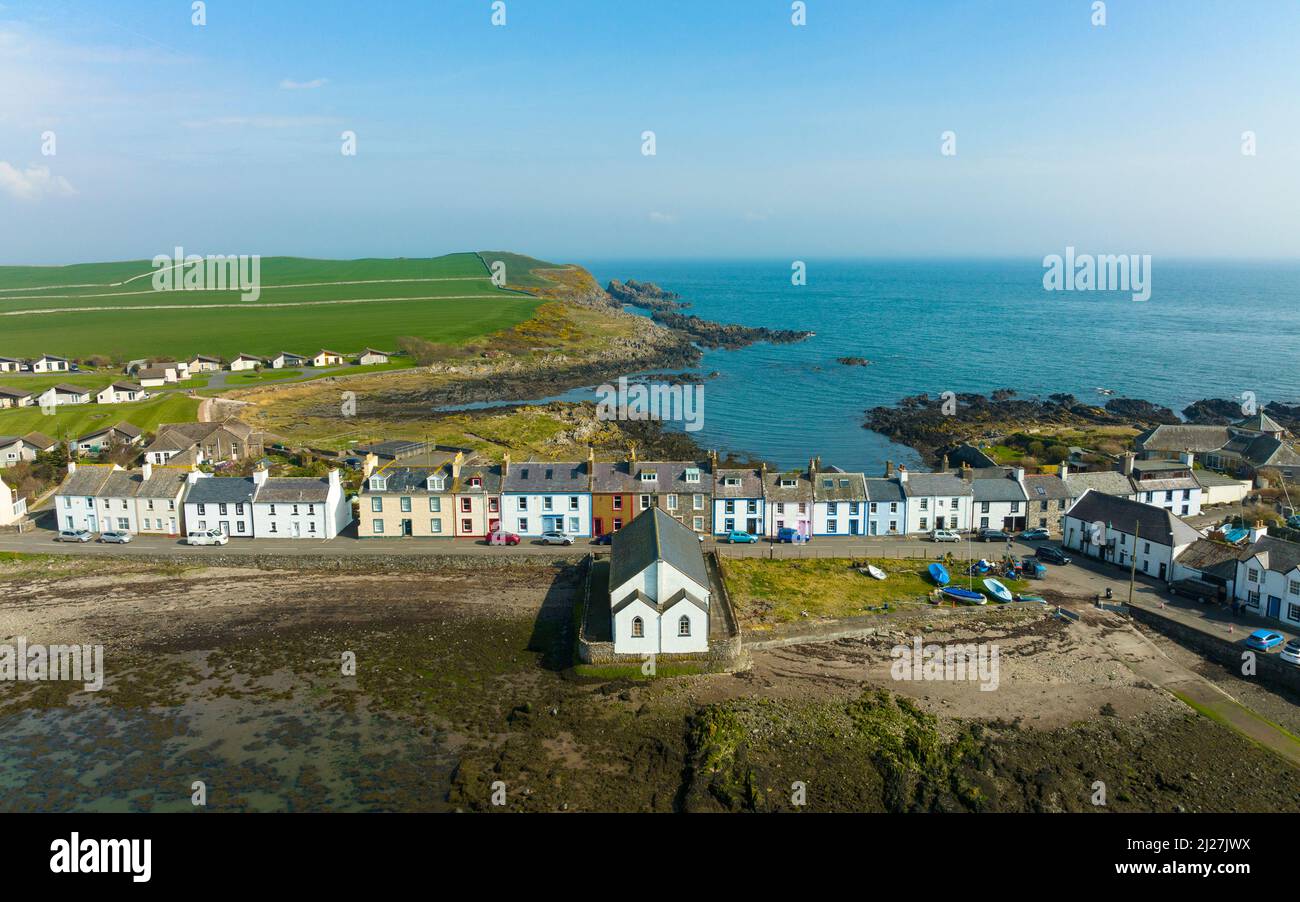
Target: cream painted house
(399, 501)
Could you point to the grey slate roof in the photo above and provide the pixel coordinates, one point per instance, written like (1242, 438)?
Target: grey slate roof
(672, 476)
(996, 484)
(1108, 482)
(1215, 558)
(1179, 437)
(547, 476)
(1150, 523)
(87, 480)
(164, 482)
(221, 490)
(751, 484)
(802, 490)
(1279, 556)
(1260, 422)
(10, 392)
(833, 484)
(291, 489)
(1207, 478)
(408, 480)
(942, 485)
(613, 478)
(655, 536)
(490, 478)
(884, 490)
(1052, 488)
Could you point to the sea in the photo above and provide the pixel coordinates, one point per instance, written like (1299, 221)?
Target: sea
(1208, 330)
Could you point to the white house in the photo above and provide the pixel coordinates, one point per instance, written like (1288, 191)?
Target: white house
(1119, 530)
(999, 497)
(16, 449)
(327, 358)
(370, 357)
(788, 497)
(546, 496)
(15, 397)
(936, 501)
(299, 507)
(63, 393)
(75, 501)
(10, 365)
(50, 364)
(1170, 484)
(13, 507)
(111, 499)
(246, 362)
(839, 502)
(284, 359)
(1268, 578)
(204, 363)
(120, 393)
(659, 592)
(106, 437)
(738, 501)
(886, 507)
(1216, 488)
(220, 502)
(155, 376)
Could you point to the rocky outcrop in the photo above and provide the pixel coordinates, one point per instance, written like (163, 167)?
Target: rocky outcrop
(853, 361)
(644, 295)
(726, 335)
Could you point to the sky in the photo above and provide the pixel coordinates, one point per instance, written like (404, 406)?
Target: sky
(771, 140)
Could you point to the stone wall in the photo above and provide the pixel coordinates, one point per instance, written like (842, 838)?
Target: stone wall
(358, 563)
(1269, 668)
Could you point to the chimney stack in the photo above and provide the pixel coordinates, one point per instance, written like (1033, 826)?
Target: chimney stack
(334, 479)
(505, 465)
(369, 464)
(1126, 463)
(146, 472)
(72, 467)
(1258, 531)
(456, 463)
(1019, 474)
(713, 461)
(259, 476)
(591, 460)
(889, 468)
(1187, 457)
(1064, 470)
(902, 474)
(943, 464)
(762, 470)
(631, 454)
(967, 472)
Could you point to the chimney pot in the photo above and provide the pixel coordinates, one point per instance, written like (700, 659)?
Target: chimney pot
(146, 471)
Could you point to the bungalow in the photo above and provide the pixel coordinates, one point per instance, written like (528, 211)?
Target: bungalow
(246, 362)
(613, 496)
(999, 496)
(788, 498)
(63, 393)
(327, 358)
(224, 503)
(936, 501)
(13, 507)
(155, 376)
(107, 437)
(1210, 562)
(285, 359)
(1166, 483)
(1268, 578)
(121, 392)
(15, 397)
(839, 501)
(10, 365)
(370, 357)
(16, 449)
(1216, 488)
(659, 589)
(48, 363)
(299, 507)
(204, 363)
(227, 440)
(408, 501)
(738, 500)
(1119, 530)
(681, 488)
(538, 497)
(477, 496)
(1244, 448)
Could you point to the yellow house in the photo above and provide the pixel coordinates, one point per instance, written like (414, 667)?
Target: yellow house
(408, 501)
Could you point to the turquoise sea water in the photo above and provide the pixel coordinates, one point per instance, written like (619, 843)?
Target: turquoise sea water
(1209, 330)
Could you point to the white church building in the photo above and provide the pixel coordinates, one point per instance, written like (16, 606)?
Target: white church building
(658, 588)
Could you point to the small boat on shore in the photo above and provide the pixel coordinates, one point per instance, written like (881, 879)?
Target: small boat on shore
(964, 596)
(1035, 599)
(997, 590)
(875, 572)
(939, 575)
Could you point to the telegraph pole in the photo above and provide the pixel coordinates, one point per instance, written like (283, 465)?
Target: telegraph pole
(1132, 574)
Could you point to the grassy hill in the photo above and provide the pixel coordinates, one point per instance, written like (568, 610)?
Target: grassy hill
(111, 309)
(76, 420)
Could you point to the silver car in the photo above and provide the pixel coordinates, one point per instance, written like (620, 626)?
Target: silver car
(116, 537)
(556, 538)
(73, 535)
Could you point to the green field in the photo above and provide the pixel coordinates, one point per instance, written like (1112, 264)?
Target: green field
(111, 309)
(76, 420)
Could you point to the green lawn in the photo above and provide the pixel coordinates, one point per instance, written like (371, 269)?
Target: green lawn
(76, 420)
(779, 591)
(450, 301)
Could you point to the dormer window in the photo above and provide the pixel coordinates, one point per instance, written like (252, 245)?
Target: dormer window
(437, 483)
(731, 480)
(828, 483)
(692, 475)
(789, 483)
(475, 482)
(378, 483)
(844, 483)
(649, 476)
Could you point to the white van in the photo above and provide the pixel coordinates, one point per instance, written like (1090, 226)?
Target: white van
(207, 537)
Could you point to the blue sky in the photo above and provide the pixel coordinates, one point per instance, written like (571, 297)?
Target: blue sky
(772, 140)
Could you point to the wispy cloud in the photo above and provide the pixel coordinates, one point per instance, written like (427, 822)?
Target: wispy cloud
(289, 84)
(33, 183)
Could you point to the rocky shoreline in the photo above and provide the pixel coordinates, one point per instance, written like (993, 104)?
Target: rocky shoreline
(665, 307)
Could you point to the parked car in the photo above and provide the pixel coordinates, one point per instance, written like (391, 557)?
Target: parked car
(993, 535)
(1052, 554)
(117, 537)
(207, 537)
(739, 535)
(1034, 535)
(606, 539)
(556, 538)
(1263, 640)
(73, 535)
(1291, 653)
(945, 535)
(501, 537)
(790, 535)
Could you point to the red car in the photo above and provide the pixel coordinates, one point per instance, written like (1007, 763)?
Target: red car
(501, 537)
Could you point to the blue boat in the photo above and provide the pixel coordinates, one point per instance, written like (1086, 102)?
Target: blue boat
(964, 596)
(997, 590)
(938, 574)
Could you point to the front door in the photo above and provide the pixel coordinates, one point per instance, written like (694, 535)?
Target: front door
(295, 530)
(751, 526)
(599, 526)
(1274, 606)
(407, 528)
(939, 522)
(1163, 567)
(225, 528)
